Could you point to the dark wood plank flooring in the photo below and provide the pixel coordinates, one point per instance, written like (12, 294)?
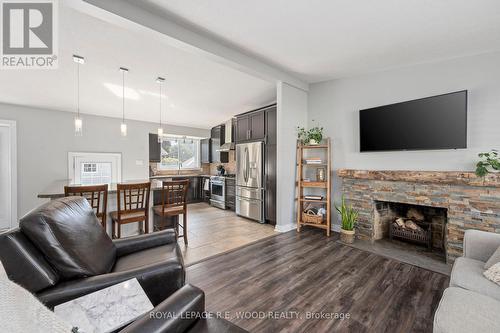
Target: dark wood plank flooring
(307, 272)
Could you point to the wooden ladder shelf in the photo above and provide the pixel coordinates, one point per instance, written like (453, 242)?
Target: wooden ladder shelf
(324, 186)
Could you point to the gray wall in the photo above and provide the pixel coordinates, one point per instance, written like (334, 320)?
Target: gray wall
(335, 105)
(291, 112)
(44, 138)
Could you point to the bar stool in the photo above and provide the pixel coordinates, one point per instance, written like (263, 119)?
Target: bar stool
(132, 205)
(96, 195)
(173, 203)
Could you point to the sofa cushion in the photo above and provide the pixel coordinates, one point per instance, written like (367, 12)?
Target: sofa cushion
(468, 274)
(494, 259)
(68, 233)
(493, 273)
(465, 311)
(155, 255)
(25, 265)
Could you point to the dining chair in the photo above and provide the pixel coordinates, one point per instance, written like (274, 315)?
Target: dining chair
(174, 203)
(132, 205)
(96, 195)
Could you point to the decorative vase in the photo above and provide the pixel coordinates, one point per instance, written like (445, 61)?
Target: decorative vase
(347, 236)
(313, 142)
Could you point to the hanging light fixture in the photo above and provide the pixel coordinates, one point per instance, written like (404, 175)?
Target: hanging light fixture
(160, 81)
(123, 126)
(79, 60)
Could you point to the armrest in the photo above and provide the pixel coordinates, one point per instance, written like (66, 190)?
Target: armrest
(176, 314)
(480, 245)
(133, 244)
(158, 280)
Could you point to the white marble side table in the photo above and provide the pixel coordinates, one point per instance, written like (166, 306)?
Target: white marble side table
(106, 310)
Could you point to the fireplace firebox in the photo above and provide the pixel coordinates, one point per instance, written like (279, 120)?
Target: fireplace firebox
(415, 224)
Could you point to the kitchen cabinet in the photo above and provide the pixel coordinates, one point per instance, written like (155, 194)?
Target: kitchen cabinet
(257, 125)
(206, 150)
(154, 148)
(217, 135)
(270, 154)
(250, 126)
(242, 127)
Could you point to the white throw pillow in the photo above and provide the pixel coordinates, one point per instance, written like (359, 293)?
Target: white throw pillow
(493, 273)
(22, 312)
(495, 258)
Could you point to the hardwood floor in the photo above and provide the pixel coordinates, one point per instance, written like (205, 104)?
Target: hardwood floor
(307, 272)
(212, 231)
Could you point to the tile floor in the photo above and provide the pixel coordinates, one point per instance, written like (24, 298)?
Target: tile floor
(212, 231)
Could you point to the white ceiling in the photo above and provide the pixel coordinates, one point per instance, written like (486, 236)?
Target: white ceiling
(319, 40)
(202, 93)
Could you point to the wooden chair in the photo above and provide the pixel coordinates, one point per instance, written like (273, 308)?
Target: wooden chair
(96, 195)
(132, 205)
(173, 203)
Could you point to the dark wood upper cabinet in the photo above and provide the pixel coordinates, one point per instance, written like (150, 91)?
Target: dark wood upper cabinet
(241, 128)
(257, 125)
(251, 126)
(218, 139)
(154, 148)
(206, 150)
(215, 144)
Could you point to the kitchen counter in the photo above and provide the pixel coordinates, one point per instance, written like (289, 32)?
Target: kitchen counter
(56, 188)
(179, 176)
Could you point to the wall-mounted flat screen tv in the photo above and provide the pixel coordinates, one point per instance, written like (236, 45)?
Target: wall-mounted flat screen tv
(438, 122)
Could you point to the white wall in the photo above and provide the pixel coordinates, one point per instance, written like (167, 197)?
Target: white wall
(335, 105)
(291, 112)
(45, 137)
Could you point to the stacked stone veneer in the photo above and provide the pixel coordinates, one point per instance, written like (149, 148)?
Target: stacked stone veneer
(472, 202)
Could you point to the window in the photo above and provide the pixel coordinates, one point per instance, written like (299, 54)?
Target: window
(94, 168)
(180, 154)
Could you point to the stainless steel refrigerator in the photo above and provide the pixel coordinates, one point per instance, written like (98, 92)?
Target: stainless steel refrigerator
(249, 181)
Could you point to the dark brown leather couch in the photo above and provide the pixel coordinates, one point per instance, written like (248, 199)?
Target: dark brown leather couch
(60, 252)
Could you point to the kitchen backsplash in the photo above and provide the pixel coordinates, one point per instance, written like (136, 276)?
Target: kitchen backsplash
(230, 166)
(206, 168)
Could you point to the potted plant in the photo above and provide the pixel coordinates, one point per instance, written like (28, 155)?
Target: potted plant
(312, 136)
(315, 135)
(349, 217)
(489, 163)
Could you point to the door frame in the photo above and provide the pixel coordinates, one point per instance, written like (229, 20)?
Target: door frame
(11, 125)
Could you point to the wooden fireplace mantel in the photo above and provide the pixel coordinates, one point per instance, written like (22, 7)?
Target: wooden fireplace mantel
(435, 177)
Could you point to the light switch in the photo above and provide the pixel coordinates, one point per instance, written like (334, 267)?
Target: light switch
(139, 162)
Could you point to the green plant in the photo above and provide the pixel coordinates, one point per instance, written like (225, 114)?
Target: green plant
(488, 161)
(302, 134)
(349, 215)
(315, 133)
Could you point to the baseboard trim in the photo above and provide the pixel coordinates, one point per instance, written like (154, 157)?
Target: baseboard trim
(285, 228)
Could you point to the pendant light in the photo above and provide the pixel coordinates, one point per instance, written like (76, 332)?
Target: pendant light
(123, 126)
(160, 80)
(79, 60)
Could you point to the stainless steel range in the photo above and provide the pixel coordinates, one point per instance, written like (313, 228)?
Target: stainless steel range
(218, 192)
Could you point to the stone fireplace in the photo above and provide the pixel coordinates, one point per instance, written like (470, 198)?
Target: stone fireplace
(452, 201)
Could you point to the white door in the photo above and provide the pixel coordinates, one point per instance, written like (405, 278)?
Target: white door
(8, 182)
